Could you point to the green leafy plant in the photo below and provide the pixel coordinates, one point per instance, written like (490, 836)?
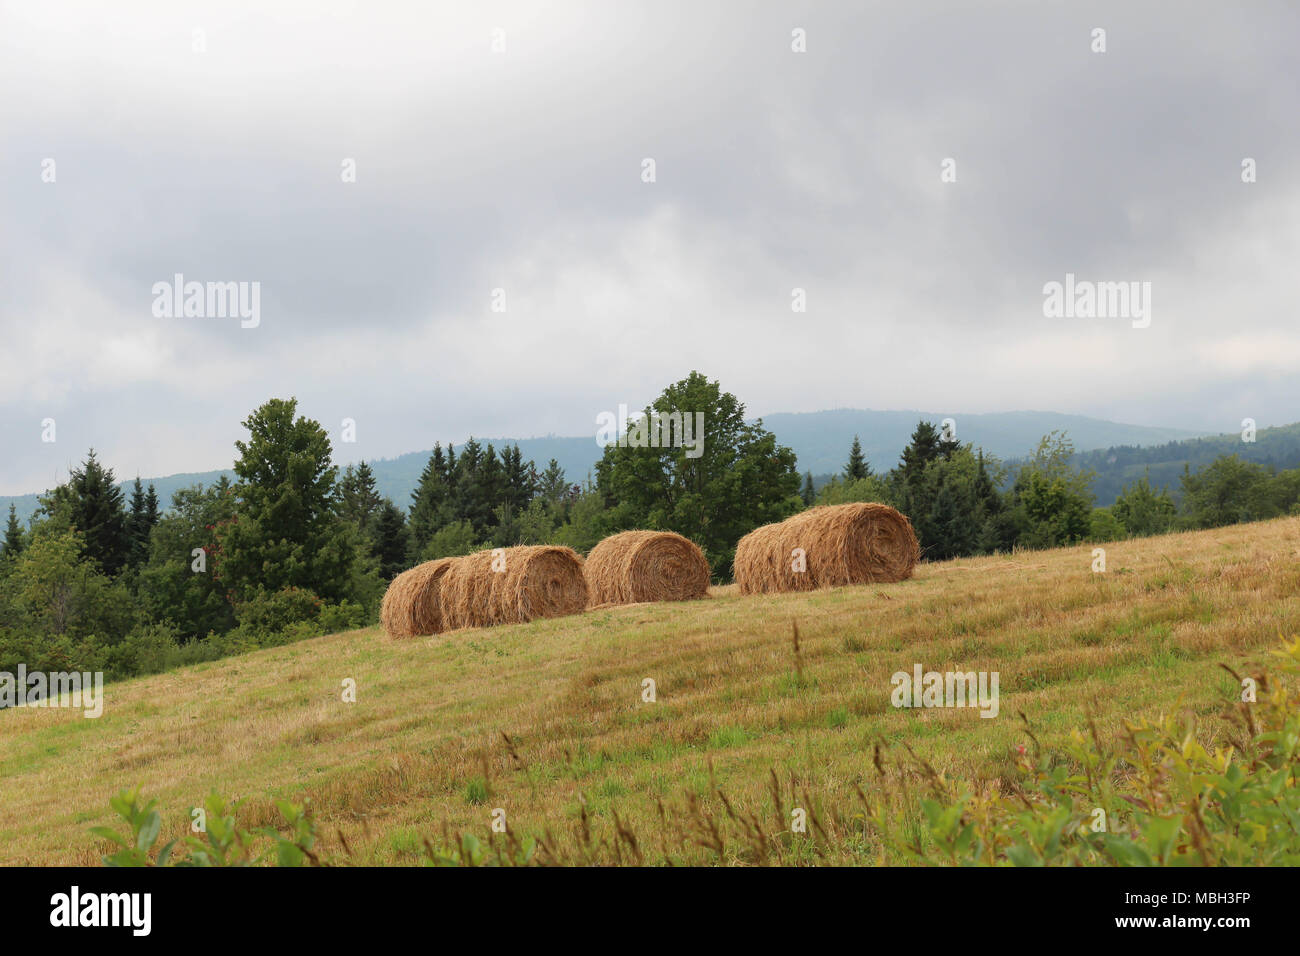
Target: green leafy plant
(223, 843)
(1158, 797)
(144, 824)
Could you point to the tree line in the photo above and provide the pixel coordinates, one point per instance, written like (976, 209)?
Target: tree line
(962, 502)
(292, 547)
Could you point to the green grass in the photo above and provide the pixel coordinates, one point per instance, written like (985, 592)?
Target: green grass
(740, 723)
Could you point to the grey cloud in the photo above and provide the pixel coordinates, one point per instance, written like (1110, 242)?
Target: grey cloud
(774, 170)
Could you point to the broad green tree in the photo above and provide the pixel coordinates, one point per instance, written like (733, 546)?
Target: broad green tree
(715, 488)
(1224, 492)
(1056, 498)
(1141, 510)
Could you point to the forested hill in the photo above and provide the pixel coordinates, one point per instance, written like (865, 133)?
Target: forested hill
(1123, 464)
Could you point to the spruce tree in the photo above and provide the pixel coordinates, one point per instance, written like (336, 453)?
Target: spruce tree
(137, 498)
(138, 525)
(857, 467)
(430, 500)
(97, 512)
(391, 540)
(809, 493)
(14, 540)
(552, 486)
(287, 531)
(464, 481)
(151, 511)
(985, 494)
(359, 501)
(520, 479)
(487, 493)
(923, 449)
(947, 447)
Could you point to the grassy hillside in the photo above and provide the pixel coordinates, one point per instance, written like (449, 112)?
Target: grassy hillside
(546, 720)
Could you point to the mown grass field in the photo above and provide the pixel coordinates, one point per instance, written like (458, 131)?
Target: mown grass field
(423, 753)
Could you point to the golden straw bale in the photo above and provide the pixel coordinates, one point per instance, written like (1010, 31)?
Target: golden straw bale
(636, 566)
(512, 585)
(841, 544)
(411, 604)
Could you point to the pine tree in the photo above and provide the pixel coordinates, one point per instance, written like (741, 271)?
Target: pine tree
(857, 467)
(520, 479)
(151, 511)
(391, 540)
(137, 498)
(809, 493)
(487, 492)
(431, 499)
(138, 525)
(97, 512)
(287, 532)
(552, 486)
(923, 449)
(947, 447)
(985, 494)
(463, 481)
(359, 501)
(936, 533)
(14, 539)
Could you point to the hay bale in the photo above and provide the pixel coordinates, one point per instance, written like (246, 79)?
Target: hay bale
(411, 603)
(637, 566)
(541, 581)
(842, 544)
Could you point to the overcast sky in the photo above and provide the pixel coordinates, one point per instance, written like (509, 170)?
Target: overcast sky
(479, 169)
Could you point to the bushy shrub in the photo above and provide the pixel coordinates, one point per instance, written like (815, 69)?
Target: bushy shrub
(1105, 526)
(148, 649)
(268, 613)
(344, 616)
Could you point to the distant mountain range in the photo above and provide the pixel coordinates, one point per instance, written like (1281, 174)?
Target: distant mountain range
(821, 440)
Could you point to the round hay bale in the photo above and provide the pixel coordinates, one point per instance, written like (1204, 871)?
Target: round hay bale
(636, 566)
(534, 581)
(842, 544)
(411, 605)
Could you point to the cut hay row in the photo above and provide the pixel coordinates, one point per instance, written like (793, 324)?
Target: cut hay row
(829, 546)
(636, 566)
(506, 586)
